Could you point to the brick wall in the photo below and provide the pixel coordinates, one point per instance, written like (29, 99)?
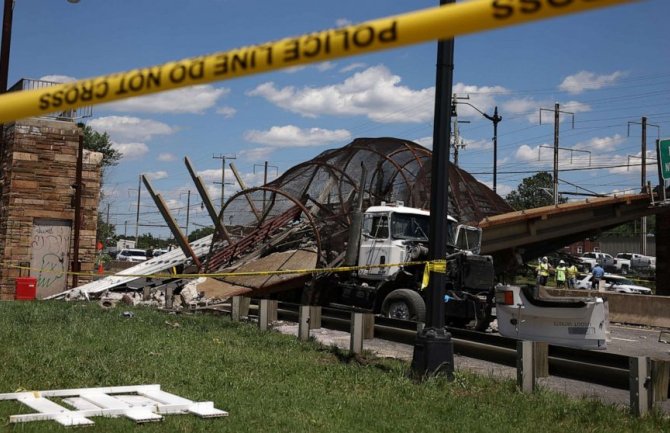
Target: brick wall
(39, 161)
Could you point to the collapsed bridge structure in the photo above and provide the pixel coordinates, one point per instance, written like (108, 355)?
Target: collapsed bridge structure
(302, 219)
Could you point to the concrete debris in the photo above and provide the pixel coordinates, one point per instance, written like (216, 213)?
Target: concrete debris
(127, 299)
(190, 291)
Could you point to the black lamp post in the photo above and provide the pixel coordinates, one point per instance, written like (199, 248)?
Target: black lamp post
(495, 119)
(434, 348)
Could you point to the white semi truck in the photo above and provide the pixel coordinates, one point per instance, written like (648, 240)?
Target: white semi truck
(395, 237)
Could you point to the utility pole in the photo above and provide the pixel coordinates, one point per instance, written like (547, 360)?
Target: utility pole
(458, 140)
(107, 213)
(137, 219)
(265, 177)
(643, 177)
(223, 158)
(557, 119)
(188, 210)
(495, 119)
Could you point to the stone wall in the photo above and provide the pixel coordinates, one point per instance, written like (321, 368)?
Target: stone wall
(39, 161)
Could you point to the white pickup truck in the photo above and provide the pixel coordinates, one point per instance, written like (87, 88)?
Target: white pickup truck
(636, 261)
(603, 259)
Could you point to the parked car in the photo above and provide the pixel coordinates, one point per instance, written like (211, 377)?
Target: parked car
(158, 252)
(132, 255)
(615, 283)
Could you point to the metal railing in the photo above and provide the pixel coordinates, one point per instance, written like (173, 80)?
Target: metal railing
(68, 115)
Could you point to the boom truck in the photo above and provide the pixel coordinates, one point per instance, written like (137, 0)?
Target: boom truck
(395, 238)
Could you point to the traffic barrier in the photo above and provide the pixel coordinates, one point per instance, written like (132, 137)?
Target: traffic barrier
(415, 27)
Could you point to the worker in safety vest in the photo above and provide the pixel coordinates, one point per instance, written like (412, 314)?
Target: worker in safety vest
(572, 276)
(543, 272)
(561, 273)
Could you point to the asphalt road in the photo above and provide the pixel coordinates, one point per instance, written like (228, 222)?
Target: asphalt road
(639, 341)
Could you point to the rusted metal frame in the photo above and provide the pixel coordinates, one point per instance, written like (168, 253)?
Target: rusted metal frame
(384, 156)
(420, 160)
(336, 217)
(244, 188)
(477, 208)
(272, 224)
(410, 186)
(217, 258)
(174, 228)
(330, 168)
(304, 210)
(197, 180)
(455, 196)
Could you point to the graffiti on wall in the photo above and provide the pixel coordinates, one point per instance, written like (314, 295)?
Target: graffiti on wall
(49, 262)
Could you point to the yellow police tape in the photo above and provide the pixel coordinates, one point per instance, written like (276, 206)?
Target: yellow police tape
(411, 28)
(434, 268)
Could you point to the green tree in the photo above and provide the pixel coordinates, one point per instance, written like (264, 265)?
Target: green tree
(97, 142)
(534, 191)
(200, 233)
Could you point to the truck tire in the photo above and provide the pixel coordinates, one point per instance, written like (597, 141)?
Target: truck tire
(404, 304)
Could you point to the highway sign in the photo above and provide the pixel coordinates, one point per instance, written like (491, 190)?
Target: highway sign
(663, 151)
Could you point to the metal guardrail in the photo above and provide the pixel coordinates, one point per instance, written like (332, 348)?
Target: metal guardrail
(71, 115)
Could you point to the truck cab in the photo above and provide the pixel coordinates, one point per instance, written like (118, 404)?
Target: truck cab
(392, 235)
(392, 252)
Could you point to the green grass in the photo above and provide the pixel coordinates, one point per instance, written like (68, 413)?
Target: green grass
(269, 382)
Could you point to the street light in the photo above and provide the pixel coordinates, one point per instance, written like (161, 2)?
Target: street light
(8, 14)
(495, 119)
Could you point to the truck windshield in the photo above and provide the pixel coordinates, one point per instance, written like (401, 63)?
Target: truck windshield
(410, 226)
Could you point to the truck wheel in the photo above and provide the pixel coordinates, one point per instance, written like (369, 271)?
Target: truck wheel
(404, 304)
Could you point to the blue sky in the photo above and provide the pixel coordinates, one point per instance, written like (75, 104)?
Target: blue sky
(608, 67)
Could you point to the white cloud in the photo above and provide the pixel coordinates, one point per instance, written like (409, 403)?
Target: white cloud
(477, 144)
(256, 154)
(58, 78)
(293, 69)
(575, 107)
(292, 136)
(426, 142)
(342, 22)
(226, 112)
(601, 143)
(523, 106)
(131, 150)
(374, 92)
(166, 157)
(194, 99)
(126, 128)
(352, 67)
(526, 153)
(156, 175)
(585, 80)
(211, 174)
(481, 97)
(531, 108)
(325, 66)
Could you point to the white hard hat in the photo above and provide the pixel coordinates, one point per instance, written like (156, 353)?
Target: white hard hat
(561, 262)
(544, 259)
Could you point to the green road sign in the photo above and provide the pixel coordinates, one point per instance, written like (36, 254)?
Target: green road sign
(663, 151)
